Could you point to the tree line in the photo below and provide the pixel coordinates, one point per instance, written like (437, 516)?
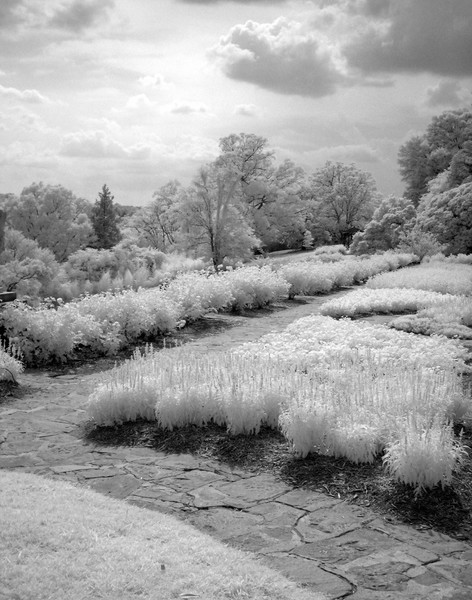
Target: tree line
(245, 202)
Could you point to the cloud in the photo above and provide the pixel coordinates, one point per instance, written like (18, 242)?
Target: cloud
(139, 102)
(246, 110)
(80, 14)
(98, 144)
(26, 154)
(357, 153)
(413, 36)
(446, 93)
(186, 108)
(283, 56)
(154, 81)
(30, 96)
(9, 13)
(269, 2)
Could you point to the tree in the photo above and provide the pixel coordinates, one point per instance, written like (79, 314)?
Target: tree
(383, 232)
(423, 157)
(49, 215)
(104, 221)
(448, 216)
(342, 198)
(24, 266)
(212, 221)
(280, 220)
(413, 163)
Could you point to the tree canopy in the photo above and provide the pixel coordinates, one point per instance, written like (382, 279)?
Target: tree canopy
(104, 220)
(446, 143)
(49, 215)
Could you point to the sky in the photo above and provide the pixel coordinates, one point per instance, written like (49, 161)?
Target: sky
(135, 93)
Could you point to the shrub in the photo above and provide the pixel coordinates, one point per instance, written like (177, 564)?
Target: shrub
(254, 287)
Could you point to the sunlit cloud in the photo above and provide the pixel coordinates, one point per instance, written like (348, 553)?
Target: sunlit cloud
(246, 110)
(98, 144)
(29, 96)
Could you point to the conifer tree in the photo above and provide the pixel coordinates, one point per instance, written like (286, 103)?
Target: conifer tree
(104, 220)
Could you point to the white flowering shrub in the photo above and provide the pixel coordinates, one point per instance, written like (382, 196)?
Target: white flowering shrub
(255, 287)
(40, 334)
(452, 319)
(10, 365)
(447, 278)
(199, 293)
(309, 277)
(394, 300)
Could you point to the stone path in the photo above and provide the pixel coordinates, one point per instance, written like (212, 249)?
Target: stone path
(319, 541)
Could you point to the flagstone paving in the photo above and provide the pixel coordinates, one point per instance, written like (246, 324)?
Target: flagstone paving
(321, 542)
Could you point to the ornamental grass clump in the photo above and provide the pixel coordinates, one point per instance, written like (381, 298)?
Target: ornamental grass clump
(176, 387)
(337, 388)
(424, 454)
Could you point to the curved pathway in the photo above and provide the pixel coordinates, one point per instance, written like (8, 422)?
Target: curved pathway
(319, 541)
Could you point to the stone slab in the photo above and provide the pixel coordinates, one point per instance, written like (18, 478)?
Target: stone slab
(120, 486)
(254, 489)
(310, 575)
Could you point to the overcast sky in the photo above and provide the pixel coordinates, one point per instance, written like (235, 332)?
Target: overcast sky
(133, 93)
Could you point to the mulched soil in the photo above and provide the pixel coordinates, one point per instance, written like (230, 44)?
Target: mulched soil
(447, 510)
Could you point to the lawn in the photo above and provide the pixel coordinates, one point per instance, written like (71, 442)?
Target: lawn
(60, 541)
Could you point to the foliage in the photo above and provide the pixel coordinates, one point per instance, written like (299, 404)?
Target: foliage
(343, 198)
(445, 278)
(390, 300)
(25, 267)
(198, 293)
(213, 223)
(425, 454)
(10, 365)
(419, 242)
(384, 231)
(448, 216)
(104, 220)
(157, 225)
(445, 144)
(329, 385)
(311, 277)
(254, 287)
(49, 215)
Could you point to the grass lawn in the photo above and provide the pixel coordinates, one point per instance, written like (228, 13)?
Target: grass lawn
(63, 542)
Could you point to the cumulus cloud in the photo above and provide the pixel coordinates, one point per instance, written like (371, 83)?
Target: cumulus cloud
(246, 110)
(413, 36)
(139, 102)
(283, 56)
(154, 81)
(30, 96)
(186, 108)
(98, 144)
(80, 14)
